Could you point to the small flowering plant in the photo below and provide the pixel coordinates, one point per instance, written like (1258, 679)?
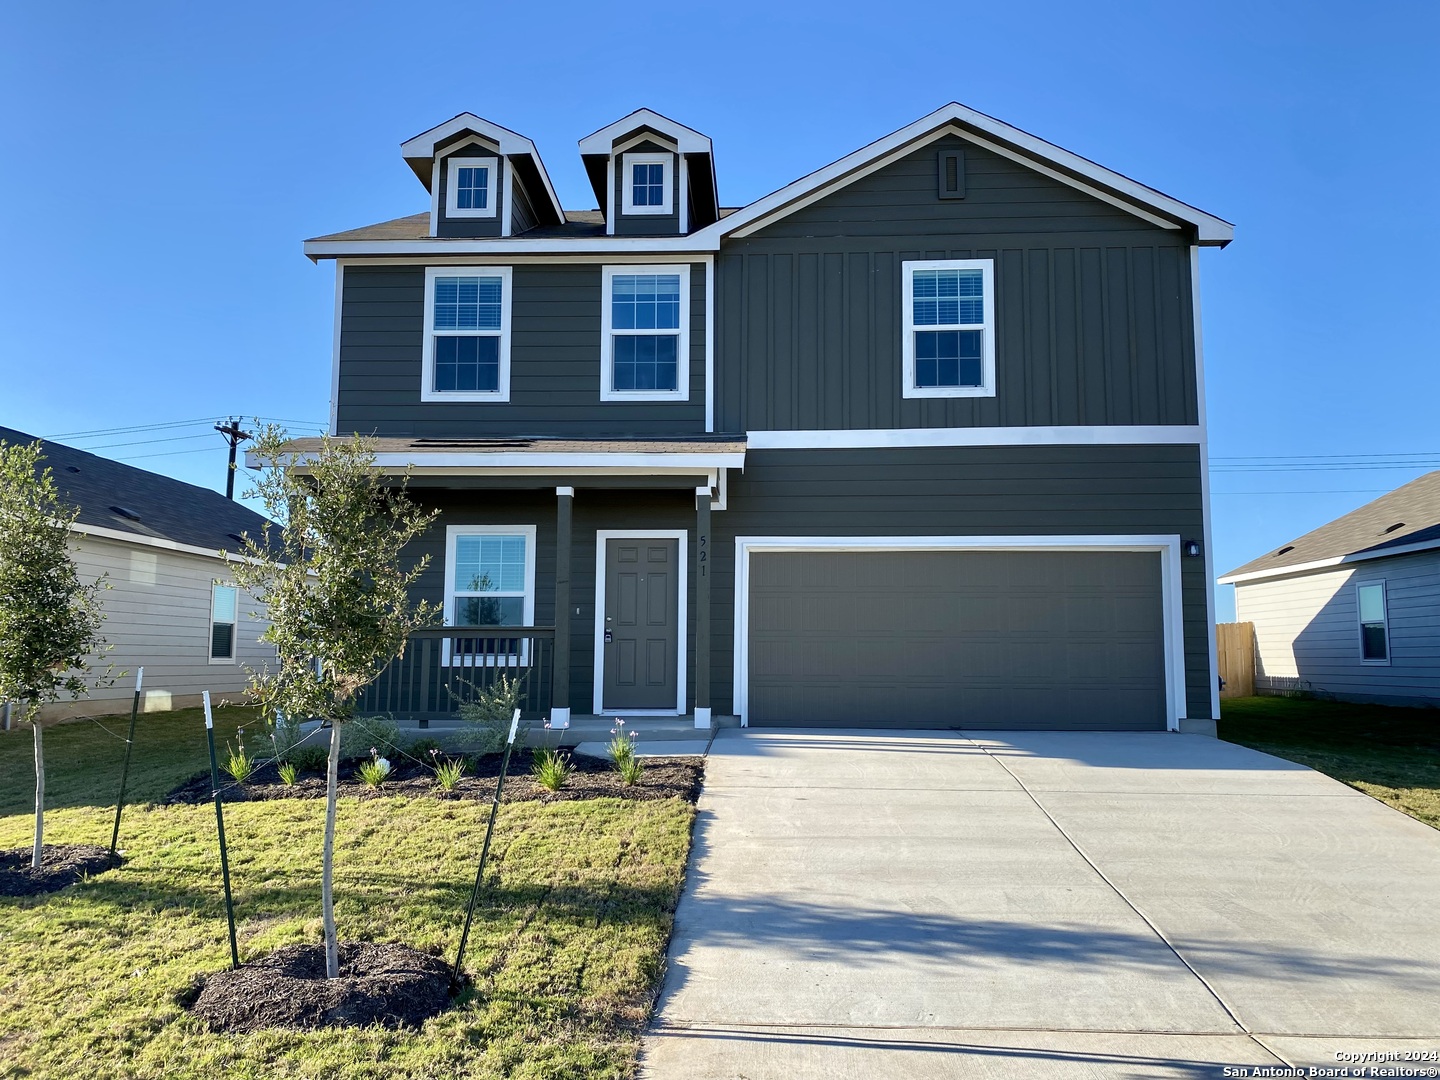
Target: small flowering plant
(622, 743)
(448, 771)
(238, 763)
(374, 771)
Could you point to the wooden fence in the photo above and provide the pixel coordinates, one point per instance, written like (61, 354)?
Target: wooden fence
(1235, 646)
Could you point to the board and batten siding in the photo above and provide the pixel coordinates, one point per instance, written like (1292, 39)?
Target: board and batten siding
(1093, 312)
(1307, 629)
(157, 609)
(554, 360)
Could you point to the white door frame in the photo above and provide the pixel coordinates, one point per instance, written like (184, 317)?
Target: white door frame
(681, 615)
(1168, 547)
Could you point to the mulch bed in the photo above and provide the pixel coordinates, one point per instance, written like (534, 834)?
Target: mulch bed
(60, 865)
(593, 778)
(391, 985)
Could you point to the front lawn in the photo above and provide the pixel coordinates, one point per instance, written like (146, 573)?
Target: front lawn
(1390, 753)
(567, 948)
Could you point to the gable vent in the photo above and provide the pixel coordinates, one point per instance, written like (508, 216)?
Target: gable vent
(951, 174)
(125, 512)
(1392, 528)
(1287, 547)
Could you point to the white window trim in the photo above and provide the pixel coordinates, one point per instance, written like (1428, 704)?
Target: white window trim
(607, 338)
(427, 359)
(234, 657)
(452, 535)
(1171, 600)
(1360, 623)
(907, 342)
(682, 616)
(627, 187)
(453, 165)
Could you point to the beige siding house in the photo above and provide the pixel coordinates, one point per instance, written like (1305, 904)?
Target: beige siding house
(171, 605)
(1352, 609)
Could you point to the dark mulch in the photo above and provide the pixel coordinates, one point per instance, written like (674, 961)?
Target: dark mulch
(391, 985)
(593, 778)
(60, 865)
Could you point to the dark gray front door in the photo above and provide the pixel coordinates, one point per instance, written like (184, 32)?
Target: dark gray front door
(641, 624)
(985, 639)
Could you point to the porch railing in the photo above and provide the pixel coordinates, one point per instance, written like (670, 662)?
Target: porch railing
(446, 667)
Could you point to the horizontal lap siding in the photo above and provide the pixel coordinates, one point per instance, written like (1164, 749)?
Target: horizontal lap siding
(1093, 321)
(157, 607)
(966, 492)
(1307, 628)
(554, 360)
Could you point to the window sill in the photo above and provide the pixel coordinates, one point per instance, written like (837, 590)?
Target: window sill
(216, 661)
(464, 395)
(948, 391)
(644, 395)
(460, 213)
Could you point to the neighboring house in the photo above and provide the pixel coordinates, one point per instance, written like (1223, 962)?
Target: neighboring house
(170, 605)
(916, 440)
(1352, 609)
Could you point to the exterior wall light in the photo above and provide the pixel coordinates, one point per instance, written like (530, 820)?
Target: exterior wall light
(1192, 549)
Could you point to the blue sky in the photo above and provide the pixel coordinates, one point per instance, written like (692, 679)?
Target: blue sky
(163, 161)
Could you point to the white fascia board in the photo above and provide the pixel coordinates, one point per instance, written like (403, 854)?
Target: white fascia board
(686, 140)
(430, 247)
(1211, 230)
(537, 463)
(1330, 563)
(1096, 435)
(102, 533)
(510, 142)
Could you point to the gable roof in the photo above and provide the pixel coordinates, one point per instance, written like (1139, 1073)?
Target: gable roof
(1405, 520)
(995, 135)
(164, 509)
(419, 153)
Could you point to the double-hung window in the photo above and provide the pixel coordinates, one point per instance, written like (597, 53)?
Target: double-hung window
(948, 348)
(466, 355)
(647, 183)
(645, 328)
(1374, 622)
(489, 581)
(470, 187)
(224, 614)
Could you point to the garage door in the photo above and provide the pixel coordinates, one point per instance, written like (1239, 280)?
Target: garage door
(1049, 640)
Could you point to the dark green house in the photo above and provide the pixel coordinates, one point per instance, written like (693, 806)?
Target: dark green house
(916, 440)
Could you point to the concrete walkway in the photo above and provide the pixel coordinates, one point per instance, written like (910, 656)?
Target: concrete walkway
(923, 904)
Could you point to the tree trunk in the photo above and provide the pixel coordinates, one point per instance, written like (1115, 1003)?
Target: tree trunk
(39, 789)
(327, 869)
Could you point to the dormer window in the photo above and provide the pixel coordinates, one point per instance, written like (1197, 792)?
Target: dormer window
(470, 187)
(648, 183)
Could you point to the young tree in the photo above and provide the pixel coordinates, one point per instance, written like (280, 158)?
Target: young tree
(337, 591)
(49, 620)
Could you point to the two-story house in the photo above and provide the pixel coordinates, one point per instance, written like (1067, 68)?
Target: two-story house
(916, 440)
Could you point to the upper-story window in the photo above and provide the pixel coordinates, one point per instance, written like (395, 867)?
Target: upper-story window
(645, 330)
(466, 355)
(949, 334)
(648, 183)
(470, 187)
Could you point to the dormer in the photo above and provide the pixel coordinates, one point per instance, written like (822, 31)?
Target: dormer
(484, 180)
(652, 176)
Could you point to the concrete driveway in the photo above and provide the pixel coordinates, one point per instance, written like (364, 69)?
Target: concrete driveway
(926, 904)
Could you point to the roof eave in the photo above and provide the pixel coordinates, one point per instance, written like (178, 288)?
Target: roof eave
(1240, 576)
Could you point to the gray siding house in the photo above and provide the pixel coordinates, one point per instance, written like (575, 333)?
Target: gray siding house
(1352, 609)
(916, 440)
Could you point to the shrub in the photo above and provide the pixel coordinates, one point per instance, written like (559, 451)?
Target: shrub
(289, 773)
(238, 763)
(285, 735)
(448, 771)
(368, 734)
(630, 770)
(423, 749)
(551, 768)
(374, 771)
(309, 759)
(488, 715)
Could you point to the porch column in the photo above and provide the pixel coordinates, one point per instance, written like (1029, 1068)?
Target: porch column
(702, 607)
(560, 667)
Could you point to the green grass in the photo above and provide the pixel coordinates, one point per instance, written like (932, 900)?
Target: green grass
(567, 947)
(1392, 754)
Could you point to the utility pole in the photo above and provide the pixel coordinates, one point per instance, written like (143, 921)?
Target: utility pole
(234, 436)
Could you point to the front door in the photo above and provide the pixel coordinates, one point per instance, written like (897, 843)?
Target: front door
(641, 625)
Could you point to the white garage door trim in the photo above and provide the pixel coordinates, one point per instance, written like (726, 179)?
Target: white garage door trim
(1168, 548)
